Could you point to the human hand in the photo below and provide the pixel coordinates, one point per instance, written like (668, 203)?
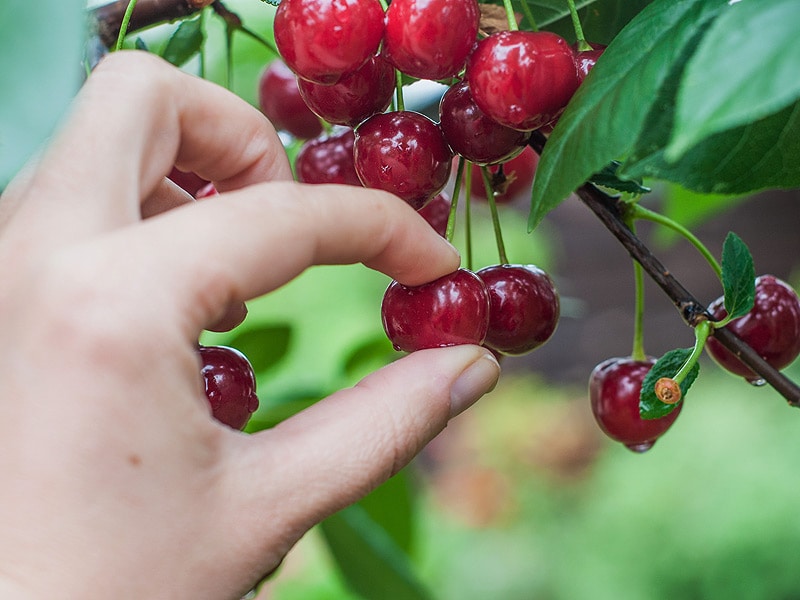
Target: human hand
(117, 483)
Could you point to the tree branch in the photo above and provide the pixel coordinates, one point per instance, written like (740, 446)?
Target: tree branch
(608, 210)
(147, 13)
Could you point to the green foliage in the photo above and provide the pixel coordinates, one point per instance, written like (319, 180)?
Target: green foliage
(264, 345)
(40, 67)
(185, 42)
(650, 407)
(738, 277)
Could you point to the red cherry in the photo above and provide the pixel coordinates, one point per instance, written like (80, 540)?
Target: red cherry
(430, 39)
(206, 191)
(614, 388)
(449, 311)
(771, 328)
(403, 153)
(524, 307)
(328, 159)
(355, 97)
(189, 182)
(321, 40)
(472, 134)
(281, 102)
(436, 213)
(522, 79)
(517, 177)
(230, 385)
(586, 59)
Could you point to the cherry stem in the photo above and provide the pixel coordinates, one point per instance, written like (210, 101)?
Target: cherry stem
(123, 28)
(701, 333)
(512, 18)
(498, 234)
(640, 212)
(526, 10)
(609, 210)
(262, 40)
(638, 352)
(468, 217)
(582, 44)
(398, 86)
(451, 217)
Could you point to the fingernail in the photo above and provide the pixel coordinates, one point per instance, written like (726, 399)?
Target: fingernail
(476, 380)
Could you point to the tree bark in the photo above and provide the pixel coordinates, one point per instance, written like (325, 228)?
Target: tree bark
(147, 13)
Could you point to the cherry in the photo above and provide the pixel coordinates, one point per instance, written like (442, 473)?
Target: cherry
(614, 388)
(430, 39)
(523, 307)
(188, 181)
(517, 177)
(449, 311)
(522, 79)
(328, 159)
(356, 96)
(280, 100)
(206, 191)
(771, 328)
(437, 212)
(472, 134)
(230, 385)
(403, 153)
(321, 40)
(586, 59)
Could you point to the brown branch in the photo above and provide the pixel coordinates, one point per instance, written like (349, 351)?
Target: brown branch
(608, 210)
(147, 13)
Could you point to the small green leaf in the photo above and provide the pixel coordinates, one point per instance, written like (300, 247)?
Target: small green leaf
(738, 276)
(650, 407)
(368, 356)
(185, 42)
(744, 69)
(608, 178)
(264, 345)
(272, 2)
(372, 564)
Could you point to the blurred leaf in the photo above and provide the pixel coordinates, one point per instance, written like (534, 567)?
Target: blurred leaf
(609, 110)
(604, 19)
(650, 407)
(271, 413)
(373, 565)
(738, 276)
(391, 505)
(264, 345)
(185, 42)
(140, 44)
(369, 356)
(737, 76)
(40, 67)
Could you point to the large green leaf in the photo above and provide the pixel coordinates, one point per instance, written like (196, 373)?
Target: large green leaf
(264, 344)
(744, 69)
(392, 506)
(40, 67)
(608, 112)
(372, 564)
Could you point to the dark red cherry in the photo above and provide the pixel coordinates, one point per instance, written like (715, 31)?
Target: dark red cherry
(230, 385)
(614, 388)
(522, 79)
(474, 135)
(516, 177)
(771, 328)
(356, 96)
(403, 153)
(321, 40)
(430, 39)
(328, 159)
(189, 182)
(437, 212)
(280, 100)
(586, 59)
(449, 311)
(523, 307)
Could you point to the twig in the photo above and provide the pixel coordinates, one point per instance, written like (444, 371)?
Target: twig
(108, 17)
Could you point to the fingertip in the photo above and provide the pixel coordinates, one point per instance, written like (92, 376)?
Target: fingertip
(478, 378)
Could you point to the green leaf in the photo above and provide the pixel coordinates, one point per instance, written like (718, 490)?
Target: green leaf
(185, 42)
(40, 67)
(744, 69)
(372, 564)
(609, 110)
(392, 506)
(738, 276)
(650, 407)
(264, 345)
(368, 356)
(608, 178)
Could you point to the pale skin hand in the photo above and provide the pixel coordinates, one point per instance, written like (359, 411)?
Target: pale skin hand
(116, 481)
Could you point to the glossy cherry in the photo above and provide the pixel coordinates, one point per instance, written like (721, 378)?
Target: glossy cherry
(403, 153)
(516, 177)
(614, 388)
(328, 159)
(472, 134)
(437, 212)
(586, 59)
(321, 40)
(449, 311)
(230, 385)
(280, 100)
(522, 79)
(523, 307)
(771, 328)
(430, 39)
(355, 97)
